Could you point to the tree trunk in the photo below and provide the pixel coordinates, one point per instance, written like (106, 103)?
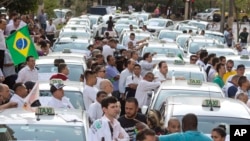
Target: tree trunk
(230, 14)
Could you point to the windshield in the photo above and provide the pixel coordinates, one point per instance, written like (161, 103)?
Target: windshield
(75, 97)
(143, 17)
(75, 71)
(119, 28)
(201, 26)
(85, 35)
(164, 93)
(220, 38)
(181, 41)
(59, 14)
(196, 46)
(159, 23)
(168, 35)
(36, 132)
(128, 22)
(162, 51)
(245, 62)
(58, 47)
(207, 123)
(221, 52)
(207, 11)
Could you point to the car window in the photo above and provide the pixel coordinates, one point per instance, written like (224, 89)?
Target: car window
(168, 35)
(162, 50)
(60, 46)
(207, 123)
(75, 70)
(164, 93)
(35, 132)
(75, 97)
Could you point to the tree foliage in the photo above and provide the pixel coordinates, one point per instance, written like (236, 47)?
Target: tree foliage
(22, 6)
(49, 6)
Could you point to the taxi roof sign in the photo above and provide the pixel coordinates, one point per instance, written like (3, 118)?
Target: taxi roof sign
(210, 103)
(244, 57)
(45, 111)
(56, 81)
(194, 82)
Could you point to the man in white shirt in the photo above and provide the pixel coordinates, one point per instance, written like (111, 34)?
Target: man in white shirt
(202, 56)
(144, 87)
(161, 75)
(135, 42)
(108, 127)
(4, 93)
(90, 91)
(8, 68)
(29, 72)
(50, 31)
(58, 100)
(100, 75)
(146, 64)
(109, 49)
(132, 81)
(14, 26)
(95, 109)
(106, 86)
(124, 74)
(20, 93)
(240, 50)
(2, 42)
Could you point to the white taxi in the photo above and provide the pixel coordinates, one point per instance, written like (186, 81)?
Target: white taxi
(45, 124)
(191, 87)
(72, 91)
(210, 111)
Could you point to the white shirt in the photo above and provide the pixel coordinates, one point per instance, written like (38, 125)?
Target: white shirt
(160, 77)
(133, 79)
(64, 103)
(146, 67)
(143, 88)
(11, 27)
(51, 28)
(106, 51)
(200, 63)
(16, 98)
(122, 81)
(89, 95)
(26, 74)
(8, 70)
(129, 40)
(2, 40)
(211, 75)
(95, 111)
(98, 81)
(243, 52)
(226, 87)
(101, 129)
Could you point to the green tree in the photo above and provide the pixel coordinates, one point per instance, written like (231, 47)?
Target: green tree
(23, 6)
(49, 6)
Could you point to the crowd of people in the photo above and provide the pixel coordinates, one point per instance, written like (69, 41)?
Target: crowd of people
(117, 84)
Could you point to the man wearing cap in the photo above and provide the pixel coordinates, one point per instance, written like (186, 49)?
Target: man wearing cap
(58, 100)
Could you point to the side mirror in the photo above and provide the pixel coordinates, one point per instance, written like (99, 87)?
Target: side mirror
(144, 109)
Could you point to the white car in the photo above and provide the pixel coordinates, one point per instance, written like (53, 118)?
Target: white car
(207, 15)
(157, 24)
(45, 124)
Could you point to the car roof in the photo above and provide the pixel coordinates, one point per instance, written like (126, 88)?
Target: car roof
(160, 19)
(193, 104)
(167, 30)
(21, 116)
(69, 39)
(161, 45)
(205, 86)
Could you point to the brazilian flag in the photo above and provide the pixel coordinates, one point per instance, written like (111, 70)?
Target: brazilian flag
(21, 46)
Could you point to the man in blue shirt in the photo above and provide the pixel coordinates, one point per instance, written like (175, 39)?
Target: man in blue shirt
(190, 132)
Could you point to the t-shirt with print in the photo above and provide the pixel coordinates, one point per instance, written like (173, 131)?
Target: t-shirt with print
(129, 124)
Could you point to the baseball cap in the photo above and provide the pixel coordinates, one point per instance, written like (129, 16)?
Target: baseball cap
(56, 84)
(240, 66)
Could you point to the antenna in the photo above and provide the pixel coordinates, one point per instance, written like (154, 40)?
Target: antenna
(211, 106)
